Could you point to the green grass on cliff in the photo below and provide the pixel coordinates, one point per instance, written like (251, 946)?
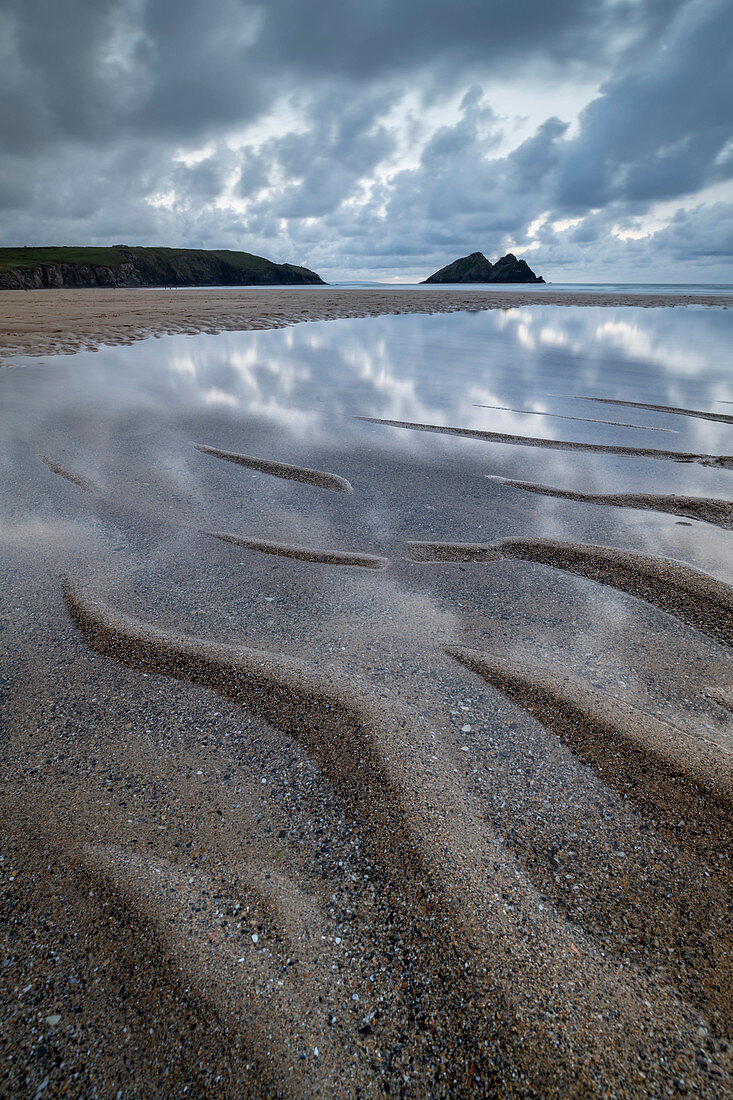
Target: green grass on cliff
(13, 258)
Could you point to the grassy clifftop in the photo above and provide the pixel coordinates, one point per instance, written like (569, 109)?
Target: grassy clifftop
(122, 265)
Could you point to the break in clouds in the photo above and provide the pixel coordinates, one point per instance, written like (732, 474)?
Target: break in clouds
(376, 140)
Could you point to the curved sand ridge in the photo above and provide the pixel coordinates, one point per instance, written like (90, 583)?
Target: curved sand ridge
(582, 419)
(319, 478)
(481, 1006)
(303, 553)
(582, 714)
(718, 512)
(694, 597)
(76, 479)
(699, 414)
(284, 691)
(452, 552)
(724, 461)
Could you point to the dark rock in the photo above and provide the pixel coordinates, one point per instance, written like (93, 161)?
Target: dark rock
(124, 266)
(511, 270)
(477, 269)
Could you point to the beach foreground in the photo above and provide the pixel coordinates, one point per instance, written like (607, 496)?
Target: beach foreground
(363, 735)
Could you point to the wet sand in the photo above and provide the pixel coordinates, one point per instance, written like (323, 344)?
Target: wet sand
(52, 322)
(300, 798)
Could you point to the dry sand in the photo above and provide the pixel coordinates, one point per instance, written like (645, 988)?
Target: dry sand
(45, 322)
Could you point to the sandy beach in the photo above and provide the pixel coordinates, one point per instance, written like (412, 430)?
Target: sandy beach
(347, 753)
(41, 322)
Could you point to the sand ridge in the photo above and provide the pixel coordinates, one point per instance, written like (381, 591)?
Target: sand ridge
(708, 509)
(723, 461)
(579, 710)
(320, 478)
(303, 553)
(76, 479)
(696, 598)
(698, 414)
(582, 419)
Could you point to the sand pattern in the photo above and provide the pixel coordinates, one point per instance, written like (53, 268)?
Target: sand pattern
(330, 723)
(723, 461)
(693, 597)
(581, 714)
(319, 478)
(76, 479)
(582, 419)
(688, 594)
(303, 553)
(708, 509)
(431, 851)
(721, 418)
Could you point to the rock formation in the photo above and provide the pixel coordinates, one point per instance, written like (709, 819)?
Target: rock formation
(477, 269)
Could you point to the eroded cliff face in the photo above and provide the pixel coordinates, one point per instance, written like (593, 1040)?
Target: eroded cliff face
(165, 267)
(68, 275)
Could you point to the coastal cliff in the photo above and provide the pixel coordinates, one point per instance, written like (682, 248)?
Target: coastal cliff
(122, 266)
(477, 269)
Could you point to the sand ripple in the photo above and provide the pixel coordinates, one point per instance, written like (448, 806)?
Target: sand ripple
(76, 479)
(579, 712)
(303, 553)
(699, 414)
(694, 597)
(724, 461)
(582, 419)
(718, 512)
(319, 478)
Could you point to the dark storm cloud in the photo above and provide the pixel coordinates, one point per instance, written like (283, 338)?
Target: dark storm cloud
(656, 131)
(706, 231)
(96, 70)
(100, 96)
(360, 41)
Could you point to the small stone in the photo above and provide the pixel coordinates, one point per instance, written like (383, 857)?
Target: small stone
(53, 1020)
(365, 1027)
(255, 937)
(466, 728)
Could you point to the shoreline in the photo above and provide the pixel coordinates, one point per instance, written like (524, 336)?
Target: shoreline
(62, 322)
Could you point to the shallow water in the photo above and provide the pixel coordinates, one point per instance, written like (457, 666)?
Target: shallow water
(443, 797)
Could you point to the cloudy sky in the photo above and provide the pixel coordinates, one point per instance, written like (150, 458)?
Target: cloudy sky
(377, 139)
